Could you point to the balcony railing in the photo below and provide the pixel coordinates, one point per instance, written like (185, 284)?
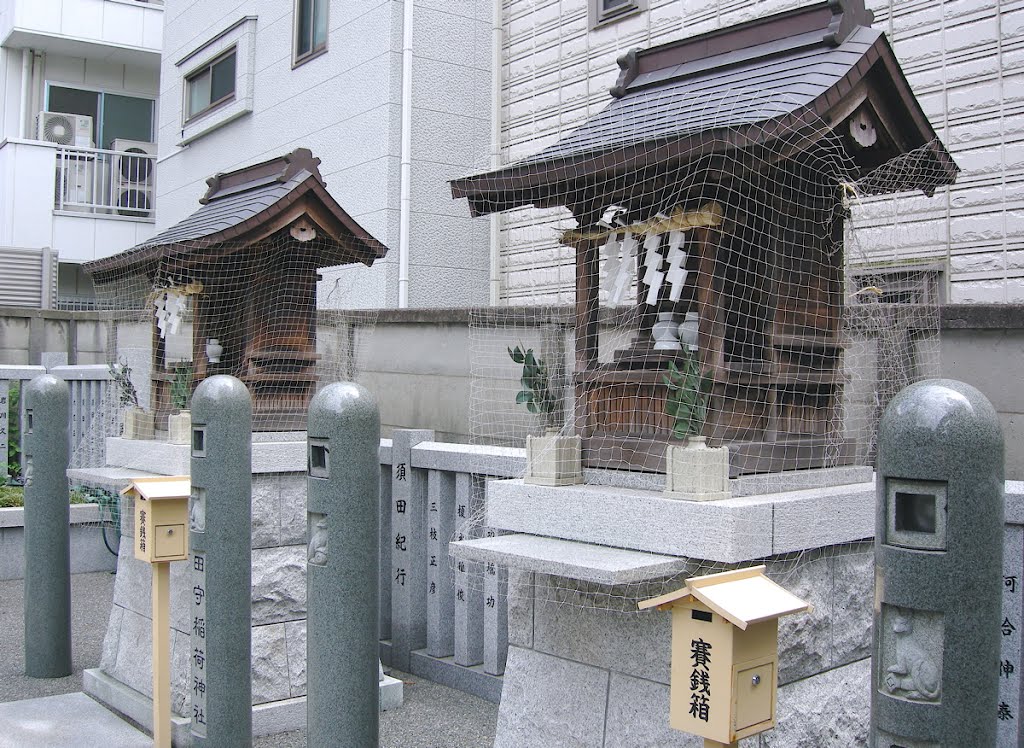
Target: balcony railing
(112, 183)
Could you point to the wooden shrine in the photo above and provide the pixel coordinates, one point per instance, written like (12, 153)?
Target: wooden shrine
(744, 141)
(248, 258)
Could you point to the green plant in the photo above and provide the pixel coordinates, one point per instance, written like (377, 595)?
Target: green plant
(122, 375)
(13, 405)
(687, 400)
(181, 386)
(14, 496)
(537, 393)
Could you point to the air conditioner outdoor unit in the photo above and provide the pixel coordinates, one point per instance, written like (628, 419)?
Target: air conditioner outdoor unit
(77, 174)
(65, 129)
(134, 175)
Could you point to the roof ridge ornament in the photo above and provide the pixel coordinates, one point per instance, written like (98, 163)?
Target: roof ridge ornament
(836, 20)
(277, 169)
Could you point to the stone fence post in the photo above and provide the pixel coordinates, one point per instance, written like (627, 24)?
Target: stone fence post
(342, 579)
(220, 524)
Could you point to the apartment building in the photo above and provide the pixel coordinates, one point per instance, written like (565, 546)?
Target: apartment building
(78, 105)
(396, 99)
(392, 98)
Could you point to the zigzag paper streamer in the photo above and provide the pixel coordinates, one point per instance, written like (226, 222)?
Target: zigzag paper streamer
(626, 269)
(676, 273)
(653, 276)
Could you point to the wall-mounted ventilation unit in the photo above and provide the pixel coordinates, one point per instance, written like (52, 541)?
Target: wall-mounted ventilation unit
(65, 129)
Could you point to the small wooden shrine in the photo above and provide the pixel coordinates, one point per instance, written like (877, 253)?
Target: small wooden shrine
(737, 148)
(248, 258)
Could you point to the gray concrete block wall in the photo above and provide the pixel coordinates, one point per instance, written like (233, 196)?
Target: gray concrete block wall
(278, 602)
(87, 550)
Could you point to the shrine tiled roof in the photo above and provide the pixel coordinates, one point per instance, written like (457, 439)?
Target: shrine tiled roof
(246, 205)
(767, 80)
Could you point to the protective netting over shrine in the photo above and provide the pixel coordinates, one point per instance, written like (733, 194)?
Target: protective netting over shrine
(232, 289)
(708, 218)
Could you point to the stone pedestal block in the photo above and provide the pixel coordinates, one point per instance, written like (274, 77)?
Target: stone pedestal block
(696, 472)
(553, 460)
(179, 427)
(138, 424)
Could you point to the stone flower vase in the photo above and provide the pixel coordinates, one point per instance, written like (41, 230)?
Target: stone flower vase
(696, 472)
(138, 424)
(179, 427)
(553, 460)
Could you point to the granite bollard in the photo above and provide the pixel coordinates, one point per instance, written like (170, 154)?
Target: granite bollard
(938, 563)
(47, 533)
(220, 536)
(342, 579)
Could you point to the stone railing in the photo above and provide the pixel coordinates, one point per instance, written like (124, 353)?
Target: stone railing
(88, 390)
(443, 621)
(10, 423)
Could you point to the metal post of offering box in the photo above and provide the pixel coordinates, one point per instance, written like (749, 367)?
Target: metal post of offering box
(161, 519)
(938, 568)
(220, 524)
(343, 497)
(47, 534)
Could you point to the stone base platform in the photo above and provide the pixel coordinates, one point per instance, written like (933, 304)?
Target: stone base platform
(586, 668)
(69, 719)
(267, 719)
(782, 519)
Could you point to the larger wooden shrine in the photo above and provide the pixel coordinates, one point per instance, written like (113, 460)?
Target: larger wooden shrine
(248, 259)
(742, 146)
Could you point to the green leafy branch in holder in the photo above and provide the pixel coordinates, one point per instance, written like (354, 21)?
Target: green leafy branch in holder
(687, 400)
(122, 375)
(536, 394)
(181, 386)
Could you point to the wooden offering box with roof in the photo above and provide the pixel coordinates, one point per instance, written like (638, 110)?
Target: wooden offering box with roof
(161, 517)
(734, 146)
(249, 258)
(725, 659)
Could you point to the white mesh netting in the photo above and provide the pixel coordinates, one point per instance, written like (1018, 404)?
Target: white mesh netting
(730, 297)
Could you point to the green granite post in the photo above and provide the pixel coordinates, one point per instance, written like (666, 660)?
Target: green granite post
(47, 538)
(938, 569)
(220, 525)
(343, 501)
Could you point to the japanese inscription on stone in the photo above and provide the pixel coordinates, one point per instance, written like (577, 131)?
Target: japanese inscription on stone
(4, 406)
(199, 654)
(1008, 721)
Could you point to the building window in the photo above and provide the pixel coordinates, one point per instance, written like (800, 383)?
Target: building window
(605, 11)
(310, 29)
(211, 85)
(920, 284)
(114, 116)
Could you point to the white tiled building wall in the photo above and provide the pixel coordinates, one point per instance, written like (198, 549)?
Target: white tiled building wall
(964, 59)
(345, 105)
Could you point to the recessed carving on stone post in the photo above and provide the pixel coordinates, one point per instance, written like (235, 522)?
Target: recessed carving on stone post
(197, 510)
(317, 539)
(911, 654)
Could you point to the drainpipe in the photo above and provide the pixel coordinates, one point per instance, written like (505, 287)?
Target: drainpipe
(26, 78)
(406, 173)
(496, 61)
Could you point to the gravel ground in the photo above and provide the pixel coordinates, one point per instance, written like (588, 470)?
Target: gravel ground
(433, 716)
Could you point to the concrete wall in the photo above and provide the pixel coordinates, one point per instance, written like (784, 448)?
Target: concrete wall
(345, 105)
(438, 369)
(963, 59)
(87, 550)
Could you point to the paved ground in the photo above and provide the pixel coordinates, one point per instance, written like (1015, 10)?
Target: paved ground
(433, 716)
